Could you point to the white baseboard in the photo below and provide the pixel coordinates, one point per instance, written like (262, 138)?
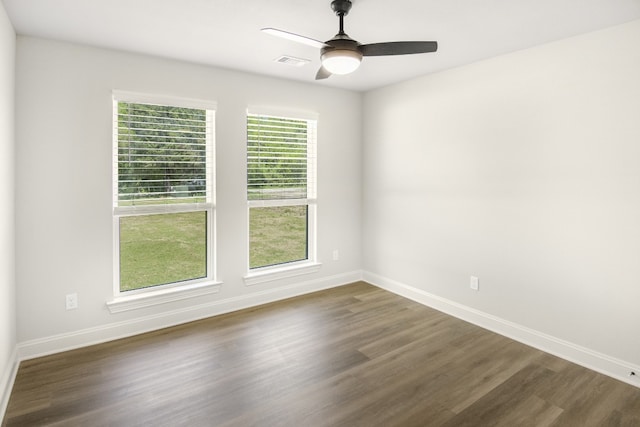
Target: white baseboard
(7, 379)
(590, 359)
(112, 331)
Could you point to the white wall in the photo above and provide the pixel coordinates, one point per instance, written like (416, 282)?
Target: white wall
(64, 221)
(522, 170)
(7, 218)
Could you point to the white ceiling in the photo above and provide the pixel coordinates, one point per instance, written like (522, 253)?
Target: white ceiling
(226, 33)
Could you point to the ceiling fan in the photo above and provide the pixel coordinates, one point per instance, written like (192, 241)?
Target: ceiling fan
(342, 54)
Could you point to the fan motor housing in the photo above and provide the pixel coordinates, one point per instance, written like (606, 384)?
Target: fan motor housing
(340, 43)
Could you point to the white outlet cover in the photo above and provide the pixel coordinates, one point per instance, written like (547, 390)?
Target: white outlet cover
(72, 301)
(474, 283)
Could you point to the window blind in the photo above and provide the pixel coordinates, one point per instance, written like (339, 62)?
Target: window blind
(162, 154)
(280, 158)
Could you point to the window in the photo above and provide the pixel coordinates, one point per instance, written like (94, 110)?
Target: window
(163, 192)
(281, 190)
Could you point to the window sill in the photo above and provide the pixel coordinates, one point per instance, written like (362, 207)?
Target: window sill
(269, 274)
(161, 296)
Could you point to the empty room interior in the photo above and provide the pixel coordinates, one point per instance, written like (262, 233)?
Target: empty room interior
(234, 213)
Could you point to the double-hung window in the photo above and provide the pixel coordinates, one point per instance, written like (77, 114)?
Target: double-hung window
(163, 193)
(281, 191)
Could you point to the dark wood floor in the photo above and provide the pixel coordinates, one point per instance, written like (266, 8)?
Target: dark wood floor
(351, 356)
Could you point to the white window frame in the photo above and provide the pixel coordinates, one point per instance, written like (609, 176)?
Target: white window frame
(310, 265)
(159, 294)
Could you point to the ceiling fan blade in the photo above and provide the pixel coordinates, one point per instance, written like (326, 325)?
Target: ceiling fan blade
(294, 37)
(397, 48)
(323, 73)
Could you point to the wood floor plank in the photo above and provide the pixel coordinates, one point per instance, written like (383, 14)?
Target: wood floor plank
(350, 356)
(507, 403)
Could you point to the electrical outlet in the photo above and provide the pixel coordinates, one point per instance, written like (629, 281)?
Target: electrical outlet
(336, 255)
(474, 283)
(72, 301)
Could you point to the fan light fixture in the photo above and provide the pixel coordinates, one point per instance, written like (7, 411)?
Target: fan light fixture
(341, 61)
